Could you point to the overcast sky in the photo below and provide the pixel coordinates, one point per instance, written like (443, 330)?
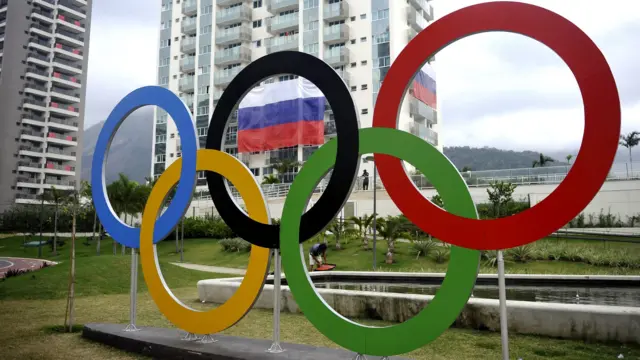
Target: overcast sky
(495, 89)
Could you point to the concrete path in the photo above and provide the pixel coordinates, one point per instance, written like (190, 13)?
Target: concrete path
(12, 263)
(211, 269)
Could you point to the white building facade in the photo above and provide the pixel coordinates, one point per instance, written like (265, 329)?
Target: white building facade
(205, 43)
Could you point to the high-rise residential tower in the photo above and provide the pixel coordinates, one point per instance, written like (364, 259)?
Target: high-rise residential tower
(43, 71)
(205, 43)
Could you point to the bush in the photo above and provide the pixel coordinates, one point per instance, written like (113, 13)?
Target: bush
(14, 272)
(422, 247)
(210, 227)
(521, 254)
(235, 245)
(441, 255)
(491, 258)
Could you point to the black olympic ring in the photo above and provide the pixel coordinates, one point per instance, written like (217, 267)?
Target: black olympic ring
(347, 161)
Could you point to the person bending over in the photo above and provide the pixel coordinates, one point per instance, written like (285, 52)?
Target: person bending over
(317, 255)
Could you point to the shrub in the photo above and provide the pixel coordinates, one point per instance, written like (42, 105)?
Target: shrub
(491, 258)
(14, 272)
(441, 255)
(235, 245)
(521, 254)
(422, 247)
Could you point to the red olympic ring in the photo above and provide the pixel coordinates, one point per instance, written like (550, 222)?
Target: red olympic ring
(597, 151)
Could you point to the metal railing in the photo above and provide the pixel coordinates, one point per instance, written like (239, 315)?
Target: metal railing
(72, 6)
(33, 86)
(43, 13)
(36, 71)
(38, 56)
(65, 92)
(23, 196)
(32, 133)
(69, 49)
(59, 182)
(46, 29)
(34, 117)
(35, 102)
(30, 164)
(70, 34)
(63, 121)
(45, 43)
(68, 63)
(30, 148)
(53, 150)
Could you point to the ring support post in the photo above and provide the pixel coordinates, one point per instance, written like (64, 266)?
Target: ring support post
(277, 274)
(133, 292)
(502, 291)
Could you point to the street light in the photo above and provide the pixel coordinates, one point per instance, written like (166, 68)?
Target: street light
(375, 177)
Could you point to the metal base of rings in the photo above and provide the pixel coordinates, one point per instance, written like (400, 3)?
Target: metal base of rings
(275, 348)
(207, 339)
(190, 337)
(131, 328)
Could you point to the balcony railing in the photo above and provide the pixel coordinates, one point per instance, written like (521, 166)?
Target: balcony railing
(233, 15)
(37, 71)
(189, 25)
(56, 105)
(188, 64)
(44, 43)
(423, 132)
(38, 56)
(337, 56)
(68, 20)
(415, 19)
(330, 128)
(336, 33)
(35, 102)
(53, 166)
(189, 7)
(59, 182)
(53, 150)
(73, 79)
(344, 74)
(30, 164)
(282, 43)
(70, 34)
(53, 135)
(61, 121)
(233, 55)
(282, 23)
(34, 117)
(35, 87)
(224, 77)
(336, 11)
(48, 15)
(32, 133)
(186, 84)
(240, 33)
(23, 196)
(69, 49)
(72, 6)
(421, 111)
(46, 29)
(188, 45)
(31, 148)
(27, 180)
(277, 6)
(68, 63)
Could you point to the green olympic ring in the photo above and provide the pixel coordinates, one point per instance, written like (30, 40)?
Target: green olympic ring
(458, 283)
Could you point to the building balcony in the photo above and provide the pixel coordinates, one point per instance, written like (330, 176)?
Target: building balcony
(70, 124)
(36, 89)
(27, 198)
(33, 119)
(68, 52)
(238, 54)
(234, 35)
(66, 81)
(62, 139)
(29, 166)
(30, 150)
(283, 23)
(35, 58)
(282, 43)
(224, 77)
(189, 7)
(278, 6)
(228, 2)
(415, 19)
(59, 184)
(337, 56)
(189, 26)
(68, 7)
(31, 135)
(53, 168)
(69, 38)
(330, 128)
(421, 111)
(45, 16)
(67, 66)
(60, 154)
(188, 45)
(70, 23)
(41, 45)
(51, 4)
(37, 105)
(188, 64)
(63, 109)
(344, 74)
(423, 132)
(41, 30)
(336, 34)
(232, 15)
(80, 2)
(65, 95)
(336, 11)
(186, 84)
(38, 74)
(33, 182)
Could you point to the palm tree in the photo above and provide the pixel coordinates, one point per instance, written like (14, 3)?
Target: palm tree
(73, 204)
(270, 179)
(542, 161)
(127, 196)
(284, 166)
(630, 141)
(114, 191)
(363, 223)
(569, 157)
(391, 230)
(88, 194)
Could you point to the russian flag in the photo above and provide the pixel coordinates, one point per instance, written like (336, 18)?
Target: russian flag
(424, 86)
(279, 115)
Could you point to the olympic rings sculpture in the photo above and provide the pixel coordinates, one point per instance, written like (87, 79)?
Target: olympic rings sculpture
(458, 224)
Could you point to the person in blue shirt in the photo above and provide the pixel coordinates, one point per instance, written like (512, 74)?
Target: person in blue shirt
(317, 255)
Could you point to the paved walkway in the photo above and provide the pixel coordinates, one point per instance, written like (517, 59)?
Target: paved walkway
(8, 263)
(211, 269)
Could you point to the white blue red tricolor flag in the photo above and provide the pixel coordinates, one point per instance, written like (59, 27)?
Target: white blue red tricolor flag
(281, 114)
(424, 86)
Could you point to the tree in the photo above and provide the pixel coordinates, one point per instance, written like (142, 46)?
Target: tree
(542, 161)
(363, 223)
(73, 204)
(88, 194)
(114, 192)
(466, 169)
(391, 230)
(437, 200)
(57, 197)
(270, 179)
(569, 157)
(339, 229)
(284, 166)
(501, 194)
(128, 198)
(630, 141)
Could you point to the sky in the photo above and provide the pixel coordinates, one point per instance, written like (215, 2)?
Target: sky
(494, 89)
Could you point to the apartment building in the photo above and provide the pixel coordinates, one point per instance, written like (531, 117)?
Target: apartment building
(43, 67)
(205, 43)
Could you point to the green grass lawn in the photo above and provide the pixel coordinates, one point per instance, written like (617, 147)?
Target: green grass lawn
(31, 304)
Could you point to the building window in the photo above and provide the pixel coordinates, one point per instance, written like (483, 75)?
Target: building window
(311, 48)
(363, 16)
(164, 80)
(161, 158)
(364, 87)
(310, 4)
(165, 43)
(204, 69)
(310, 26)
(363, 39)
(363, 62)
(164, 62)
(207, 9)
(257, 43)
(365, 111)
(166, 6)
(267, 171)
(205, 49)
(203, 110)
(353, 41)
(255, 171)
(165, 25)
(354, 88)
(161, 139)
(162, 119)
(257, 24)
(205, 29)
(381, 38)
(380, 15)
(257, 4)
(384, 61)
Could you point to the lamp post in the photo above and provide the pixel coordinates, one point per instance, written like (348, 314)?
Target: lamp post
(375, 177)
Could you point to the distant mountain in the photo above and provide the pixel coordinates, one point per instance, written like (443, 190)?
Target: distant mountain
(130, 151)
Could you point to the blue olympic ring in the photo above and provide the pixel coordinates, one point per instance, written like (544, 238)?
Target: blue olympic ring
(178, 111)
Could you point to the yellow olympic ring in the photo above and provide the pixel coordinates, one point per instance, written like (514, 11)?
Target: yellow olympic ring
(229, 313)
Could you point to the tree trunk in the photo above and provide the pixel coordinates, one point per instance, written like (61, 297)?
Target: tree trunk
(93, 234)
(338, 245)
(177, 230)
(631, 161)
(124, 248)
(365, 240)
(390, 250)
(72, 278)
(55, 232)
